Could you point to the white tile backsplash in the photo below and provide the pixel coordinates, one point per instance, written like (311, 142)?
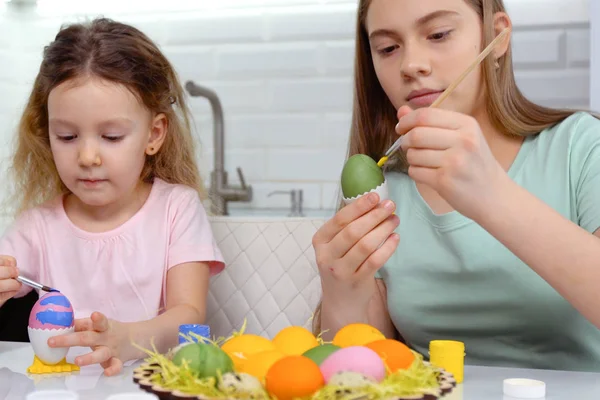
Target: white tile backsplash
(193, 62)
(324, 94)
(247, 27)
(235, 95)
(578, 47)
(283, 71)
(339, 57)
(11, 71)
(304, 164)
(313, 23)
(273, 131)
(267, 60)
(538, 48)
(556, 87)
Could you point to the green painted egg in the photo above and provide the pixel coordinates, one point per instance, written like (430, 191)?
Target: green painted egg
(360, 175)
(320, 353)
(204, 359)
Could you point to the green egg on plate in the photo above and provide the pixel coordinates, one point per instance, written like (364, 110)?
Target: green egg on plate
(204, 359)
(320, 353)
(360, 175)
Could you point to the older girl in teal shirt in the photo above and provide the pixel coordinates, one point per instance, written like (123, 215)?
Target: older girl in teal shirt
(491, 236)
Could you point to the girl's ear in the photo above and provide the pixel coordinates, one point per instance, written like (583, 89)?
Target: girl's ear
(501, 22)
(158, 133)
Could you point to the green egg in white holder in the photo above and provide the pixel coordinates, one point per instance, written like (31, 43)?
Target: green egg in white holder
(361, 175)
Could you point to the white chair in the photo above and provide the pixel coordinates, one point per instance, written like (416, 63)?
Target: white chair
(271, 279)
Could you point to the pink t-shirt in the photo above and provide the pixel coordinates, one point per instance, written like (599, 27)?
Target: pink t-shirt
(121, 273)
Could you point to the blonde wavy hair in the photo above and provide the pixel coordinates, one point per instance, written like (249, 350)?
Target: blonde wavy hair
(121, 54)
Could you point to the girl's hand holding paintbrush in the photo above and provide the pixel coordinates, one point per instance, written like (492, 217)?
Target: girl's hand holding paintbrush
(9, 286)
(447, 151)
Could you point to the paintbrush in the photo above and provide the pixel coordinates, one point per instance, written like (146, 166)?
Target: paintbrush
(35, 285)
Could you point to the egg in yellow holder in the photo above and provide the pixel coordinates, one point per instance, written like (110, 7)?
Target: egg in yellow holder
(300, 366)
(51, 315)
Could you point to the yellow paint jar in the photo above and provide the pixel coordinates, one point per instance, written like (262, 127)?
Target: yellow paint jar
(449, 355)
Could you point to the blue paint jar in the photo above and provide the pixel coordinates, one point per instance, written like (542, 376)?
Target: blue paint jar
(196, 329)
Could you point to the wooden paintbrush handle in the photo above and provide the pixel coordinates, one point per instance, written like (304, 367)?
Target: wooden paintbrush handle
(475, 63)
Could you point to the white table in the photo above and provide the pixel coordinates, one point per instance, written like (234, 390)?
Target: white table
(481, 383)
(89, 382)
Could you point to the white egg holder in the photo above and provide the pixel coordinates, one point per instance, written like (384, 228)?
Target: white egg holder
(381, 190)
(39, 341)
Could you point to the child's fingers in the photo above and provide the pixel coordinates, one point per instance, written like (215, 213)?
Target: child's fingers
(83, 324)
(100, 355)
(9, 285)
(8, 261)
(76, 339)
(8, 272)
(112, 367)
(99, 322)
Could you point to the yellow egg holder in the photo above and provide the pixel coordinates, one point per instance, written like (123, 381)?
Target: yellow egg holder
(39, 367)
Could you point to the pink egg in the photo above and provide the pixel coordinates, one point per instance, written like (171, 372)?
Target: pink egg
(355, 359)
(52, 311)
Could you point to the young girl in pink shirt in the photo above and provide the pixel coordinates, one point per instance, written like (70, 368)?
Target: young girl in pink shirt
(109, 195)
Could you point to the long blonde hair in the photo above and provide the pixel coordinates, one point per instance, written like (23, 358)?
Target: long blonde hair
(118, 53)
(374, 116)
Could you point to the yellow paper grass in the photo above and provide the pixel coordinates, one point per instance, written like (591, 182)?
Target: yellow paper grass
(419, 378)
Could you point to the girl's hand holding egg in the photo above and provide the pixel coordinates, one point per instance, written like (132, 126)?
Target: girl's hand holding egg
(351, 247)
(107, 338)
(8, 284)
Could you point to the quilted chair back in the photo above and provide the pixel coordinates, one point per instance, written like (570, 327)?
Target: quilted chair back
(271, 279)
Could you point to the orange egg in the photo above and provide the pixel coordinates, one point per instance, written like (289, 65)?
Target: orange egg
(395, 354)
(292, 377)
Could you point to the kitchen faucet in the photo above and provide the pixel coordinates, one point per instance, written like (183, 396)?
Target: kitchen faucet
(220, 191)
(296, 196)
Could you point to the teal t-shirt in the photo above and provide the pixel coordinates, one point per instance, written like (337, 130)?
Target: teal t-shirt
(450, 279)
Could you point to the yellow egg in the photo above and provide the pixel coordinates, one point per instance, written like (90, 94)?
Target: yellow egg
(258, 364)
(239, 348)
(357, 335)
(295, 340)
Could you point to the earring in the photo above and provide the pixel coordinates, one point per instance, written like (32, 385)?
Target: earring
(496, 64)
